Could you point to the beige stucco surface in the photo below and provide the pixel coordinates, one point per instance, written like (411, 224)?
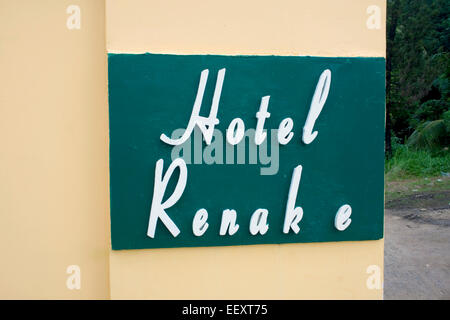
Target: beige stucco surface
(54, 202)
(335, 270)
(54, 194)
(284, 27)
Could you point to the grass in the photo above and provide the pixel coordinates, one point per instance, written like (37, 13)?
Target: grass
(412, 174)
(395, 189)
(407, 163)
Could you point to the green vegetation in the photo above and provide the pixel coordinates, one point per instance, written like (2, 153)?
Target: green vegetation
(407, 163)
(417, 72)
(417, 96)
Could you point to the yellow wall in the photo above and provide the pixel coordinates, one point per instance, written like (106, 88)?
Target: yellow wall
(54, 194)
(283, 27)
(54, 201)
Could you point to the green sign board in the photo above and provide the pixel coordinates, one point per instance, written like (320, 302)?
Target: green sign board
(210, 150)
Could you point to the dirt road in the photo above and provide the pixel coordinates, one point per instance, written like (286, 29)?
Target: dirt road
(417, 250)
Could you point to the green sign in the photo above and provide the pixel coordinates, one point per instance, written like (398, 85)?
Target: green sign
(209, 150)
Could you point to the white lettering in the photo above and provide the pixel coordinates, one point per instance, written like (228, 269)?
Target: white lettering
(158, 209)
(317, 103)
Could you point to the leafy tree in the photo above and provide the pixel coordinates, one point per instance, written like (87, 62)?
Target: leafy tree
(417, 71)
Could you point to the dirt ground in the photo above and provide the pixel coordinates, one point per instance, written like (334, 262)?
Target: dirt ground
(417, 246)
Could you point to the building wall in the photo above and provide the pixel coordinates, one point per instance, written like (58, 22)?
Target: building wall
(284, 27)
(54, 201)
(54, 194)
